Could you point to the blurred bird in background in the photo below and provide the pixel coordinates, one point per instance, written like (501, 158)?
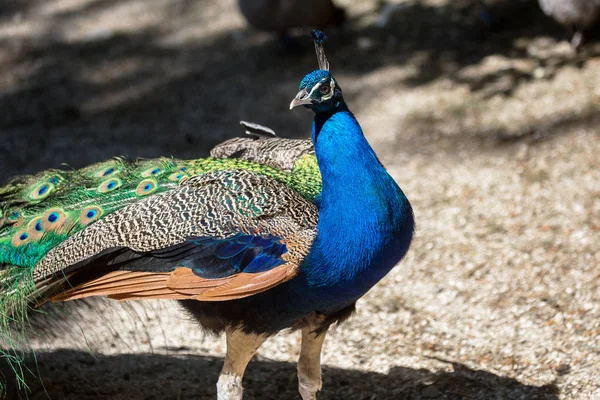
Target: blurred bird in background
(575, 15)
(279, 16)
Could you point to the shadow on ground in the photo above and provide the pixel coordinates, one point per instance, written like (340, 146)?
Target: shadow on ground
(78, 375)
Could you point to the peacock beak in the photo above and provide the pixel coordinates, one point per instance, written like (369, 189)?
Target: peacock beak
(302, 98)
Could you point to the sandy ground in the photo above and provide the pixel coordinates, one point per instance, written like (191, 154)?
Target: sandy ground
(493, 136)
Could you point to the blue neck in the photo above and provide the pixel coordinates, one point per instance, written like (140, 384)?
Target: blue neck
(365, 221)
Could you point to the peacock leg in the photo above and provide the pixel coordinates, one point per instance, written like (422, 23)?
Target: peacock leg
(241, 347)
(309, 363)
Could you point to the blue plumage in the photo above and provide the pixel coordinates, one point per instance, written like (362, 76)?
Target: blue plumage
(318, 37)
(313, 78)
(365, 225)
(361, 208)
(238, 253)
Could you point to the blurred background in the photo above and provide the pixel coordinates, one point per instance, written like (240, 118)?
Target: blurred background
(485, 112)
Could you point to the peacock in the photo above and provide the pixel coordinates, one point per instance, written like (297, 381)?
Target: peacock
(575, 15)
(266, 234)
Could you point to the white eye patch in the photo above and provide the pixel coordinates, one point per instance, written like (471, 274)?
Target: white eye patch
(331, 90)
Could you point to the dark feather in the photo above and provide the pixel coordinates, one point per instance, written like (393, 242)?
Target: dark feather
(258, 131)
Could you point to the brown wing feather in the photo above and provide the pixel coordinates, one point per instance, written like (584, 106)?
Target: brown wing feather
(243, 285)
(183, 280)
(70, 270)
(181, 284)
(115, 282)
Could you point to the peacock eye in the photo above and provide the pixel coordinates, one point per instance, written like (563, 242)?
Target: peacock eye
(325, 88)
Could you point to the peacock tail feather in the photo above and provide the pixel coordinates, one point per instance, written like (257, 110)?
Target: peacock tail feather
(41, 211)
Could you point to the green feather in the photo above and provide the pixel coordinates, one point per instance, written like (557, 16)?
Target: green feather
(38, 212)
(43, 210)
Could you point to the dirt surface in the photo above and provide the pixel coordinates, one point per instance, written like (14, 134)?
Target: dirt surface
(492, 133)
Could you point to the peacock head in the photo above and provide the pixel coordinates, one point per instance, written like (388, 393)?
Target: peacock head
(319, 91)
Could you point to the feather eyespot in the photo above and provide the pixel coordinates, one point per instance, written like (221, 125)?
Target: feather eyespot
(146, 187)
(109, 185)
(89, 215)
(108, 171)
(41, 191)
(35, 229)
(20, 238)
(176, 176)
(53, 219)
(151, 172)
(14, 218)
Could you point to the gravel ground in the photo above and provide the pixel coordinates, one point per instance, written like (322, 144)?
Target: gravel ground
(493, 135)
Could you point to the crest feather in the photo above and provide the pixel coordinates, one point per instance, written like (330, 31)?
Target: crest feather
(319, 39)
